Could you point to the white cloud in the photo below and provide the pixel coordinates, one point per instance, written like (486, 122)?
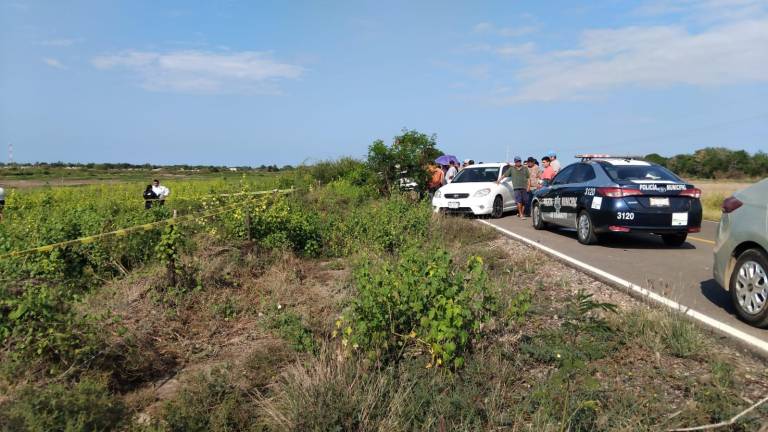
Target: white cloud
(60, 42)
(726, 53)
(52, 62)
(201, 71)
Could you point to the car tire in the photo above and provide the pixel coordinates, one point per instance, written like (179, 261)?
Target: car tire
(674, 239)
(498, 207)
(585, 230)
(538, 220)
(749, 287)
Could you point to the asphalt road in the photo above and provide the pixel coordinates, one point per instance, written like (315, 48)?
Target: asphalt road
(682, 274)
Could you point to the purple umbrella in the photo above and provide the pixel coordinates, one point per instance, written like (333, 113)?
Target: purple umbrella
(446, 159)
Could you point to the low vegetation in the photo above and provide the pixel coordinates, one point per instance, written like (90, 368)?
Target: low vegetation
(337, 309)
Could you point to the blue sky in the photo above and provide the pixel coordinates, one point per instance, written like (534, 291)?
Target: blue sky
(245, 82)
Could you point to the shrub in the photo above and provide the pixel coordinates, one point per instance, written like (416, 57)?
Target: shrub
(381, 226)
(286, 224)
(209, 403)
(83, 406)
(40, 324)
(421, 300)
(289, 327)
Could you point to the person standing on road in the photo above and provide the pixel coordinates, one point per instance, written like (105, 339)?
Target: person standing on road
(519, 178)
(149, 197)
(547, 173)
(533, 181)
(162, 192)
(554, 162)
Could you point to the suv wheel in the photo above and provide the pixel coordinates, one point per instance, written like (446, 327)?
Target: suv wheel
(749, 287)
(585, 229)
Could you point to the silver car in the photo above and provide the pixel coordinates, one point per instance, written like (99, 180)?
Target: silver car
(741, 252)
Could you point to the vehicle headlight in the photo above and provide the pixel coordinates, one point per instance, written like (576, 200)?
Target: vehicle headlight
(438, 194)
(482, 192)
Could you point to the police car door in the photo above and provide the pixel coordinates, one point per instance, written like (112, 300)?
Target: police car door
(551, 201)
(579, 192)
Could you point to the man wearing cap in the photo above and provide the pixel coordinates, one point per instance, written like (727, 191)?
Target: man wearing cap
(554, 163)
(519, 178)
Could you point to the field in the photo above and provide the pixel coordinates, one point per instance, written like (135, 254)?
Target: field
(333, 308)
(713, 192)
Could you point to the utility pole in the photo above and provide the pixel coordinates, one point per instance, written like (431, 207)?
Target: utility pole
(10, 153)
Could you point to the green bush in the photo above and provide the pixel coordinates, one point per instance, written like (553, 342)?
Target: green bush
(352, 170)
(289, 327)
(209, 403)
(41, 325)
(83, 406)
(286, 224)
(383, 226)
(421, 299)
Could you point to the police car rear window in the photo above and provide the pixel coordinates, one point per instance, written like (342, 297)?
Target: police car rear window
(639, 172)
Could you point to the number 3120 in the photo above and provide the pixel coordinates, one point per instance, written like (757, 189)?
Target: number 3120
(625, 216)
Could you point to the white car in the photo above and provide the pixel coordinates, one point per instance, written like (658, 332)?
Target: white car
(474, 191)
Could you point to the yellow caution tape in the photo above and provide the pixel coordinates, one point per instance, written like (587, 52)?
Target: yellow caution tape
(146, 227)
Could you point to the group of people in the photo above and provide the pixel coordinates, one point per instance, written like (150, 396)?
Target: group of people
(529, 177)
(441, 175)
(526, 178)
(155, 194)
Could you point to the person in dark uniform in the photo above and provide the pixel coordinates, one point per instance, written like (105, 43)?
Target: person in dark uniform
(149, 197)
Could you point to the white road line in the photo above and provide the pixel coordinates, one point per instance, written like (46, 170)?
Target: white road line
(705, 319)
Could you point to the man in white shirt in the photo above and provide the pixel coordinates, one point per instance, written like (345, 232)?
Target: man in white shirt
(162, 192)
(554, 163)
(2, 202)
(451, 173)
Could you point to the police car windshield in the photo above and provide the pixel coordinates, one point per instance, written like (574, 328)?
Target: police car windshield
(639, 172)
(477, 175)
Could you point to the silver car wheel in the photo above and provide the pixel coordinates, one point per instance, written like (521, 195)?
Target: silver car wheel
(752, 287)
(536, 215)
(584, 226)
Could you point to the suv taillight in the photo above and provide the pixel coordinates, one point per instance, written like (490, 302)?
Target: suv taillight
(614, 192)
(730, 204)
(693, 193)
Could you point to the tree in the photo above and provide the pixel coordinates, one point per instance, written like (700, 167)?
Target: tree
(656, 158)
(406, 158)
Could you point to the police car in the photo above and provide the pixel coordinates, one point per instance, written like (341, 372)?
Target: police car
(604, 194)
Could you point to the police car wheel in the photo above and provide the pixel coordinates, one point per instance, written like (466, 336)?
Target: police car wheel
(585, 229)
(498, 208)
(749, 287)
(674, 239)
(538, 221)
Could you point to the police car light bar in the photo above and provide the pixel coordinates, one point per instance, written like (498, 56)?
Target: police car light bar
(589, 156)
(592, 156)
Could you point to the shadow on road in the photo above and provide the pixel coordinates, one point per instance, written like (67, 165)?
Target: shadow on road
(625, 241)
(718, 295)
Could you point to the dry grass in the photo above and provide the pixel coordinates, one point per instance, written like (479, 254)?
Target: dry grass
(713, 192)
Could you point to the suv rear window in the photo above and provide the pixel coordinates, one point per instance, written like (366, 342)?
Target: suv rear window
(639, 172)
